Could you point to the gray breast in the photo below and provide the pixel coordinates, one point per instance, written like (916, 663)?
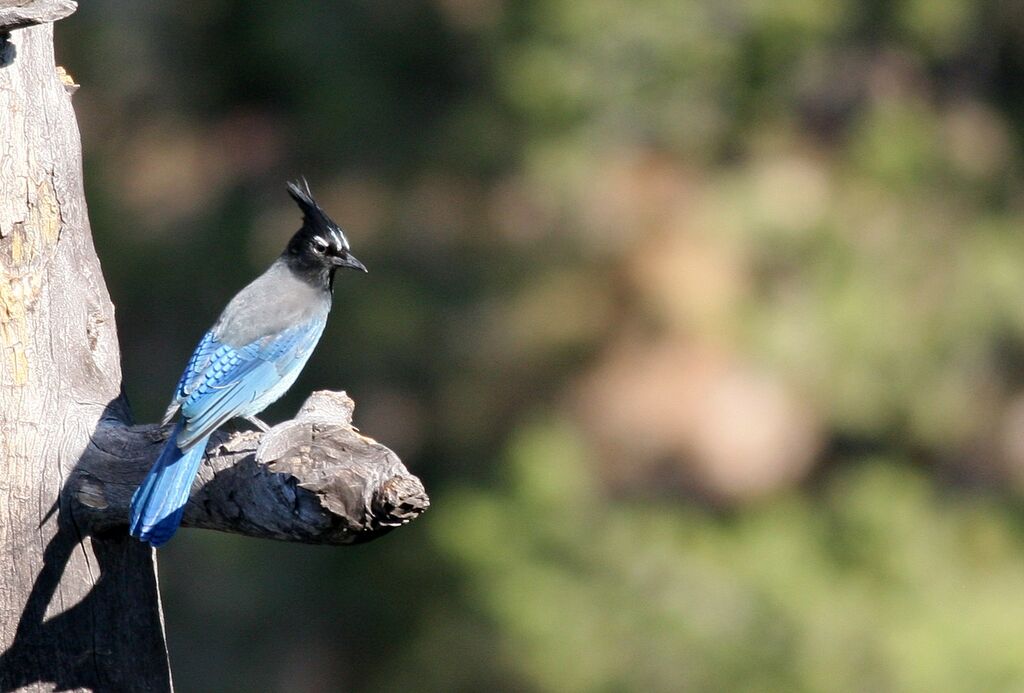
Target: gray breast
(273, 302)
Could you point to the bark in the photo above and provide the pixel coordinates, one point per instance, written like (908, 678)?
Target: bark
(314, 479)
(79, 604)
(16, 14)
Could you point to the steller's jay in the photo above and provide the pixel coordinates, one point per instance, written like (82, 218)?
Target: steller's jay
(245, 362)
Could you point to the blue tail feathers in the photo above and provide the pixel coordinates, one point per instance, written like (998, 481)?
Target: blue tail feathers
(159, 502)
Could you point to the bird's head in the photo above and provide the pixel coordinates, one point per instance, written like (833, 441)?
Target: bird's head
(320, 246)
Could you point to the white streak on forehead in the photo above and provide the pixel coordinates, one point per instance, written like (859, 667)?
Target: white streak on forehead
(320, 241)
(339, 238)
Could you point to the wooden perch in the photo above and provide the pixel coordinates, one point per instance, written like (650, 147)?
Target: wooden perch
(313, 479)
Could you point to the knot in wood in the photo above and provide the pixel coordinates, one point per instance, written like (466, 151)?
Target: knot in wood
(399, 500)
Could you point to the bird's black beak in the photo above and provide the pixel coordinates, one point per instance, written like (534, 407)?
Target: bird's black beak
(350, 261)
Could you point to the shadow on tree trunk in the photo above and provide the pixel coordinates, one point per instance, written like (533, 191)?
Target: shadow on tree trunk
(118, 631)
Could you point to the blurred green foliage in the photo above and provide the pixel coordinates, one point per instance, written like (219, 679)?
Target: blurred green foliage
(878, 581)
(701, 321)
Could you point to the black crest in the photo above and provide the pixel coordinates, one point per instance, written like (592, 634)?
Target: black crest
(317, 227)
(319, 247)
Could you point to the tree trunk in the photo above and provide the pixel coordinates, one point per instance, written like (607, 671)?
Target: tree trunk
(76, 612)
(79, 605)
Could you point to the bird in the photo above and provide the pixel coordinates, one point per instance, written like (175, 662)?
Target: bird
(246, 361)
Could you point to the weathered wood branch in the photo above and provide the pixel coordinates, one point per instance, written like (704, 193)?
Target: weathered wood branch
(18, 14)
(313, 479)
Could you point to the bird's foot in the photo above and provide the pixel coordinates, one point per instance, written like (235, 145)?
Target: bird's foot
(257, 423)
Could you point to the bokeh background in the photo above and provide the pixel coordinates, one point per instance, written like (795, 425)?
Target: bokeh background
(703, 323)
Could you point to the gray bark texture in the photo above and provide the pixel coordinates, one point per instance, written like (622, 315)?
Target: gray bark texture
(79, 604)
(313, 479)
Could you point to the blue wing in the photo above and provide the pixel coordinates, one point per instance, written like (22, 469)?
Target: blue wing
(193, 371)
(222, 381)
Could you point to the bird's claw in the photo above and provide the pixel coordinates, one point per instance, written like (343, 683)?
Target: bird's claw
(257, 423)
